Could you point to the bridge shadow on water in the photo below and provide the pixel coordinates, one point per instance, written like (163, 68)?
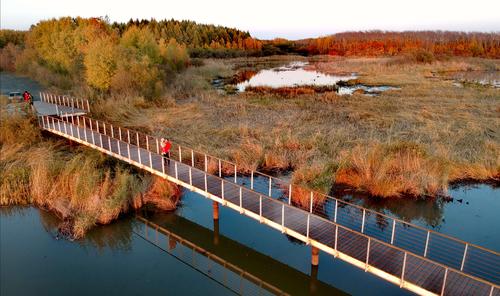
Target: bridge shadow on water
(232, 264)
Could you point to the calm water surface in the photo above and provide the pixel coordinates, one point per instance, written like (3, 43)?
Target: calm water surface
(292, 75)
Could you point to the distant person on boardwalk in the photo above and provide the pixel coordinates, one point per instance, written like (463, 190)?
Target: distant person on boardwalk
(28, 98)
(165, 149)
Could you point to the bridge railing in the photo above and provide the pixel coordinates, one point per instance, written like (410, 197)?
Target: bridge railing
(472, 259)
(368, 252)
(64, 100)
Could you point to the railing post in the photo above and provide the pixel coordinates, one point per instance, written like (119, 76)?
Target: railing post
(59, 124)
(444, 281)
(139, 154)
(367, 254)
(109, 145)
(100, 140)
(311, 203)
(206, 164)
(128, 136)
(235, 175)
(112, 131)
(270, 191)
(251, 180)
(150, 160)
(180, 154)
(290, 194)
(403, 271)
(104, 127)
(128, 151)
(120, 133)
(163, 165)
(85, 130)
(65, 126)
(190, 176)
(137, 138)
(119, 147)
(157, 146)
(427, 243)
(88, 106)
(336, 238)
(176, 171)
(97, 126)
(336, 209)
(57, 109)
(463, 259)
(206, 184)
(363, 223)
(93, 140)
(220, 169)
(393, 230)
(192, 157)
(222, 188)
(78, 131)
(147, 142)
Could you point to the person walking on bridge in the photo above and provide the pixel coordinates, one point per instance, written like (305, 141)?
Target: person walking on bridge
(165, 149)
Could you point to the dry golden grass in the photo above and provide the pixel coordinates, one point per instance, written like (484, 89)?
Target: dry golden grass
(80, 186)
(343, 138)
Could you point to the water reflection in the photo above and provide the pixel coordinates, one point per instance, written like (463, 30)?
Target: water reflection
(467, 216)
(292, 75)
(274, 275)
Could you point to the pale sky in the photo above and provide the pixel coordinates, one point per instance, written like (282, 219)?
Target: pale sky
(267, 19)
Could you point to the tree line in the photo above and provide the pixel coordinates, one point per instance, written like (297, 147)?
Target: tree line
(381, 43)
(138, 56)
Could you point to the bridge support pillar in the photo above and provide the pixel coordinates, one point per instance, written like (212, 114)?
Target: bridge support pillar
(314, 256)
(215, 206)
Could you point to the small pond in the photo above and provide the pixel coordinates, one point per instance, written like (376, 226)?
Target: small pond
(296, 75)
(292, 75)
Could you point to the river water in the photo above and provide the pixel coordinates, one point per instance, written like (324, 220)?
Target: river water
(117, 259)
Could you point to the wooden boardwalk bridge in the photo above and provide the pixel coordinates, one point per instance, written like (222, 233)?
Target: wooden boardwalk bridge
(415, 258)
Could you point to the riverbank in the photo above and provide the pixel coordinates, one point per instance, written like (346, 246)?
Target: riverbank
(410, 142)
(82, 187)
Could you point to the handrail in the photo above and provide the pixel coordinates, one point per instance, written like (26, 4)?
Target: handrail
(283, 204)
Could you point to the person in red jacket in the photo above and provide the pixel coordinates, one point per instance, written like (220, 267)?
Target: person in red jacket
(165, 149)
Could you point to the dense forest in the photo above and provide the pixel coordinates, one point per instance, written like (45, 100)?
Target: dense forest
(201, 39)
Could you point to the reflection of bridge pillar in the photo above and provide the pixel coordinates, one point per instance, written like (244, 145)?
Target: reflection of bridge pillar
(216, 210)
(172, 242)
(314, 256)
(216, 232)
(313, 283)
